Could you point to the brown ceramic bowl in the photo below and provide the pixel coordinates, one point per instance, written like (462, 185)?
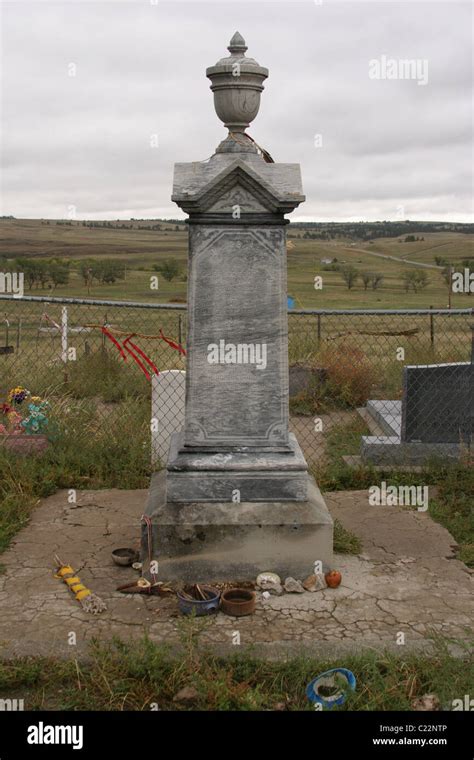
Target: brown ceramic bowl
(238, 602)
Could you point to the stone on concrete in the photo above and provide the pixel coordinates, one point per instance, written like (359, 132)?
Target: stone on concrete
(293, 586)
(315, 582)
(269, 583)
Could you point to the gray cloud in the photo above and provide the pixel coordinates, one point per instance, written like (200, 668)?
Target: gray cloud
(84, 140)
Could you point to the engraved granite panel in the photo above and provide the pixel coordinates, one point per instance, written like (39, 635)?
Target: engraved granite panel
(237, 374)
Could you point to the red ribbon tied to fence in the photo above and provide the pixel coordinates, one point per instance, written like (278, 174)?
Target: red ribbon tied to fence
(135, 351)
(171, 343)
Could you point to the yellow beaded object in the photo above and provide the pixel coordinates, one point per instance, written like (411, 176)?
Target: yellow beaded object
(89, 601)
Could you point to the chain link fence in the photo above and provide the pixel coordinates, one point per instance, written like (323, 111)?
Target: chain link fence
(377, 387)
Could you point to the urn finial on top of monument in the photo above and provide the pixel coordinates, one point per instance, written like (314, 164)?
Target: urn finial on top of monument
(237, 44)
(237, 82)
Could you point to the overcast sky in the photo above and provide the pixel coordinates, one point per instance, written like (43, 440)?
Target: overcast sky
(390, 148)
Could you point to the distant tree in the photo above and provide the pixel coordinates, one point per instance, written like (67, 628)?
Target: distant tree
(421, 280)
(417, 279)
(169, 269)
(376, 281)
(407, 279)
(58, 272)
(349, 274)
(441, 261)
(85, 270)
(6, 265)
(366, 277)
(43, 273)
(103, 271)
(108, 271)
(30, 270)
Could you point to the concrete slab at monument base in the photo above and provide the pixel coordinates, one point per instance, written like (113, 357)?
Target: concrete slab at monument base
(212, 541)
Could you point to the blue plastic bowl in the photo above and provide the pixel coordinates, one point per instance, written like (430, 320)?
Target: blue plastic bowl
(336, 699)
(200, 606)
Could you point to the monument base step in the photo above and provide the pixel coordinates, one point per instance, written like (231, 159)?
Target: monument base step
(245, 475)
(219, 541)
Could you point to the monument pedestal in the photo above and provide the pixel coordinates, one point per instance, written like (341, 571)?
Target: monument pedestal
(219, 541)
(241, 474)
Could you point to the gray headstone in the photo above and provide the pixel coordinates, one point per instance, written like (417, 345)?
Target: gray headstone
(438, 403)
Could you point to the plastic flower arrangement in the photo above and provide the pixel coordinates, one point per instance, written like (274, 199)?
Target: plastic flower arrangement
(18, 395)
(37, 420)
(12, 421)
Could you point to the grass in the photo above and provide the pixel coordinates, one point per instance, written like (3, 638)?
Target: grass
(83, 454)
(103, 374)
(144, 676)
(453, 507)
(345, 542)
(334, 474)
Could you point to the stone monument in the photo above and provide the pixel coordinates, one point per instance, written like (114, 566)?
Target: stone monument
(236, 497)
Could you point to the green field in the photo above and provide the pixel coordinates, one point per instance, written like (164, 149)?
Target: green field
(139, 249)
